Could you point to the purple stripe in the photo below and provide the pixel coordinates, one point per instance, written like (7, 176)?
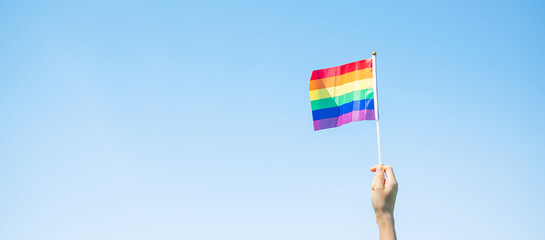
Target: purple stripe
(367, 114)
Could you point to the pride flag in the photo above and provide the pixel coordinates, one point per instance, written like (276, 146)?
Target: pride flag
(343, 94)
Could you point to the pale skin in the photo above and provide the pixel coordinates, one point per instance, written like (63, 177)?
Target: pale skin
(383, 197)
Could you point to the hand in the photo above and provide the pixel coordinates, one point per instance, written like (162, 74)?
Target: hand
(383, 197)
(383, 191)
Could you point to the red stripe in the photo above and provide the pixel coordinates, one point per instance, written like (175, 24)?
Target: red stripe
(340, 70)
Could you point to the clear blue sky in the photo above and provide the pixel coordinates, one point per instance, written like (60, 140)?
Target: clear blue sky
(163, 120)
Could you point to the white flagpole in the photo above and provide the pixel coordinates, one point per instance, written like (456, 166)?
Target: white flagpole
(375, 93)
(378, 140)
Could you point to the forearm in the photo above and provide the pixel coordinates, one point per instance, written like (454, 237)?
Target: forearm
(386, 226)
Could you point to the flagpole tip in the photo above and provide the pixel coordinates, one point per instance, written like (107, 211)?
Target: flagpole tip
(374, 53)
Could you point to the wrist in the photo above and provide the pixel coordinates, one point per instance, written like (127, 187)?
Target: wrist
(385, 219)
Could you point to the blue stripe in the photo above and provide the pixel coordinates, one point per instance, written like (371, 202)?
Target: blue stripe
(345, 108)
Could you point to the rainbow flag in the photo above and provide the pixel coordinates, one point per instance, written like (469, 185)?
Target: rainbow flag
(343, 94)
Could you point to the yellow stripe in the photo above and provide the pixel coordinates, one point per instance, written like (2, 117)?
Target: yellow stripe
(341, 90)
(342, 79)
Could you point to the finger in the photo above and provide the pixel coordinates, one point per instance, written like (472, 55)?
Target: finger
(385, 169)
(374, 168)
(379, 178)
(390, 177)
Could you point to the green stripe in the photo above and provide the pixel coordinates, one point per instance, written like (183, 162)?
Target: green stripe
(340, 100)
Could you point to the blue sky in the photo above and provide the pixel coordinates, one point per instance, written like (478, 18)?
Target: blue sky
(192, 120)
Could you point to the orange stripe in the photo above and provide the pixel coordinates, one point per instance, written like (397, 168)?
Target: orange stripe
(342, 79)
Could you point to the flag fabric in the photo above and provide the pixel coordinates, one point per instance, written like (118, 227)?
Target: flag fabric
(343, 94)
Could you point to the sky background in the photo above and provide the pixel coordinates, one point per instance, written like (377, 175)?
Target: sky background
(192, 120)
